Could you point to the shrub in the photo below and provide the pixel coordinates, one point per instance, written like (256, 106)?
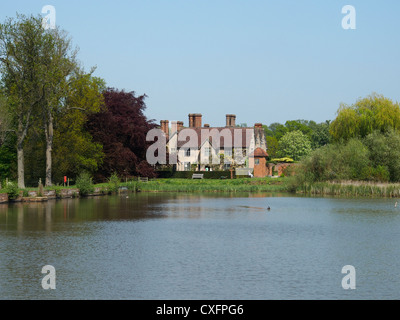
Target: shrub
(286, 159)
(113, 183)
(12, 190)
(84, 183)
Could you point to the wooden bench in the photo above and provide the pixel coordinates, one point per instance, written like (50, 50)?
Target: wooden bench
(197, 176)
(143, 179)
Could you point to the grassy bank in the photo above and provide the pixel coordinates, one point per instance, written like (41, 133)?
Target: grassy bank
(182, 185)
(212, 185)
(351, 189)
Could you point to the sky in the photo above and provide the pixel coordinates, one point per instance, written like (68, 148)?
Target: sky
(264, 61)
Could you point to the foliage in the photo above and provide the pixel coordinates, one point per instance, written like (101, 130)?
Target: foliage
(375, 112)
(286, 159)
(272, 146)
(114, 182)
(294, 145)
(11, 188)
(122, 128)
(8, 158)
(385, 151)
(74, 148)
(84, 183)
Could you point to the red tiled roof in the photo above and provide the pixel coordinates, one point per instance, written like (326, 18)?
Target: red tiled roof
(259, 153)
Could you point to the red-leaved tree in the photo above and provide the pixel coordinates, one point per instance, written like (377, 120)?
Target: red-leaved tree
(122, 128)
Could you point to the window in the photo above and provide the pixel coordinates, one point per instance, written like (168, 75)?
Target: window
(173, 150)
(228, 152)
(207, 152)
(257, 161)
(188, 152)
(187, 166)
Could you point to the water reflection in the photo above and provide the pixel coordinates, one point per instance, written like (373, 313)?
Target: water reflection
(200, 246)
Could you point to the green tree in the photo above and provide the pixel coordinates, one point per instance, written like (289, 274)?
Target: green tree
(375, 112)
(74, 148)
(294, 145)
(21, 44)
(272, 146)
(385, 151)
(320, 135)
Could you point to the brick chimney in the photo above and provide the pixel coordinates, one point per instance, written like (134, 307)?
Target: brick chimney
(165, 127)
(191, 120)
(206, 125)
(230, 120)
(180, 125)
(258, 125)
(195, 120)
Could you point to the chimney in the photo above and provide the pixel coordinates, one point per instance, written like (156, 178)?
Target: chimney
(258, 125)
(165, 127)
(191, 120)
(180, 125)
(174, 127)
(206, 126)
(230, 120)
(197, 120)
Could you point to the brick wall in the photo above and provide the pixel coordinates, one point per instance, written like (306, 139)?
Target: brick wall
(279, 168)
(3, 197)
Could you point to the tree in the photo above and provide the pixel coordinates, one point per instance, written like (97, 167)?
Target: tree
(320, 135)
(122, 128)
(21, 49)
(294, 145)
(375, 112)
(60, 60)
(384, 150)
(272, 146)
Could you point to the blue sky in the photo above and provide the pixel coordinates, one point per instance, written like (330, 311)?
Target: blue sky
(265, 61)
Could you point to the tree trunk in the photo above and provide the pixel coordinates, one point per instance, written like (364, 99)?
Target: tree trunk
(49, 149)
(21, 171)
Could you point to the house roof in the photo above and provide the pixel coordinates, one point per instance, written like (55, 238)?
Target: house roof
(259, 153)
(244, 138)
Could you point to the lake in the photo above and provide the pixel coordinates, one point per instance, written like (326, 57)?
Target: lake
(201, 246)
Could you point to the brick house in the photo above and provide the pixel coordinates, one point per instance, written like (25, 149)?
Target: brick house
(205, 148)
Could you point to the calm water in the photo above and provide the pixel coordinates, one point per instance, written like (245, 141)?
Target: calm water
(181, 246)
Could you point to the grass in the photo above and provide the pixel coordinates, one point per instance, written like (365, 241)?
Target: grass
(214, 185)
(351, 189)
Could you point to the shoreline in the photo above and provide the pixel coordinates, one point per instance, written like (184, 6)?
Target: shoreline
(355, 189)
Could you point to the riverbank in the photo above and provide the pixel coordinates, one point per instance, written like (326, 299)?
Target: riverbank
(153, 185)
(215, 185)
(282, 184)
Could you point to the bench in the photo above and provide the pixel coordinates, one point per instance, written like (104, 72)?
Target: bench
(197, 176)
(143, 179)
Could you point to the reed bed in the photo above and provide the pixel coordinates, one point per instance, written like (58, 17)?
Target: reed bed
(351, 188)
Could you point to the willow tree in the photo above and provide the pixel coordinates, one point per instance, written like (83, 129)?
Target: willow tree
(373, 113)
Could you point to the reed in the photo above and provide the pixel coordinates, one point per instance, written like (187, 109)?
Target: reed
(351, 189)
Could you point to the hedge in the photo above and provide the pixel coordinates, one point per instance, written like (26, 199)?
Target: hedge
(188, 174)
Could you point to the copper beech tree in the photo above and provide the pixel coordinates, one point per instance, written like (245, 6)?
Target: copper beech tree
(122, 128)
